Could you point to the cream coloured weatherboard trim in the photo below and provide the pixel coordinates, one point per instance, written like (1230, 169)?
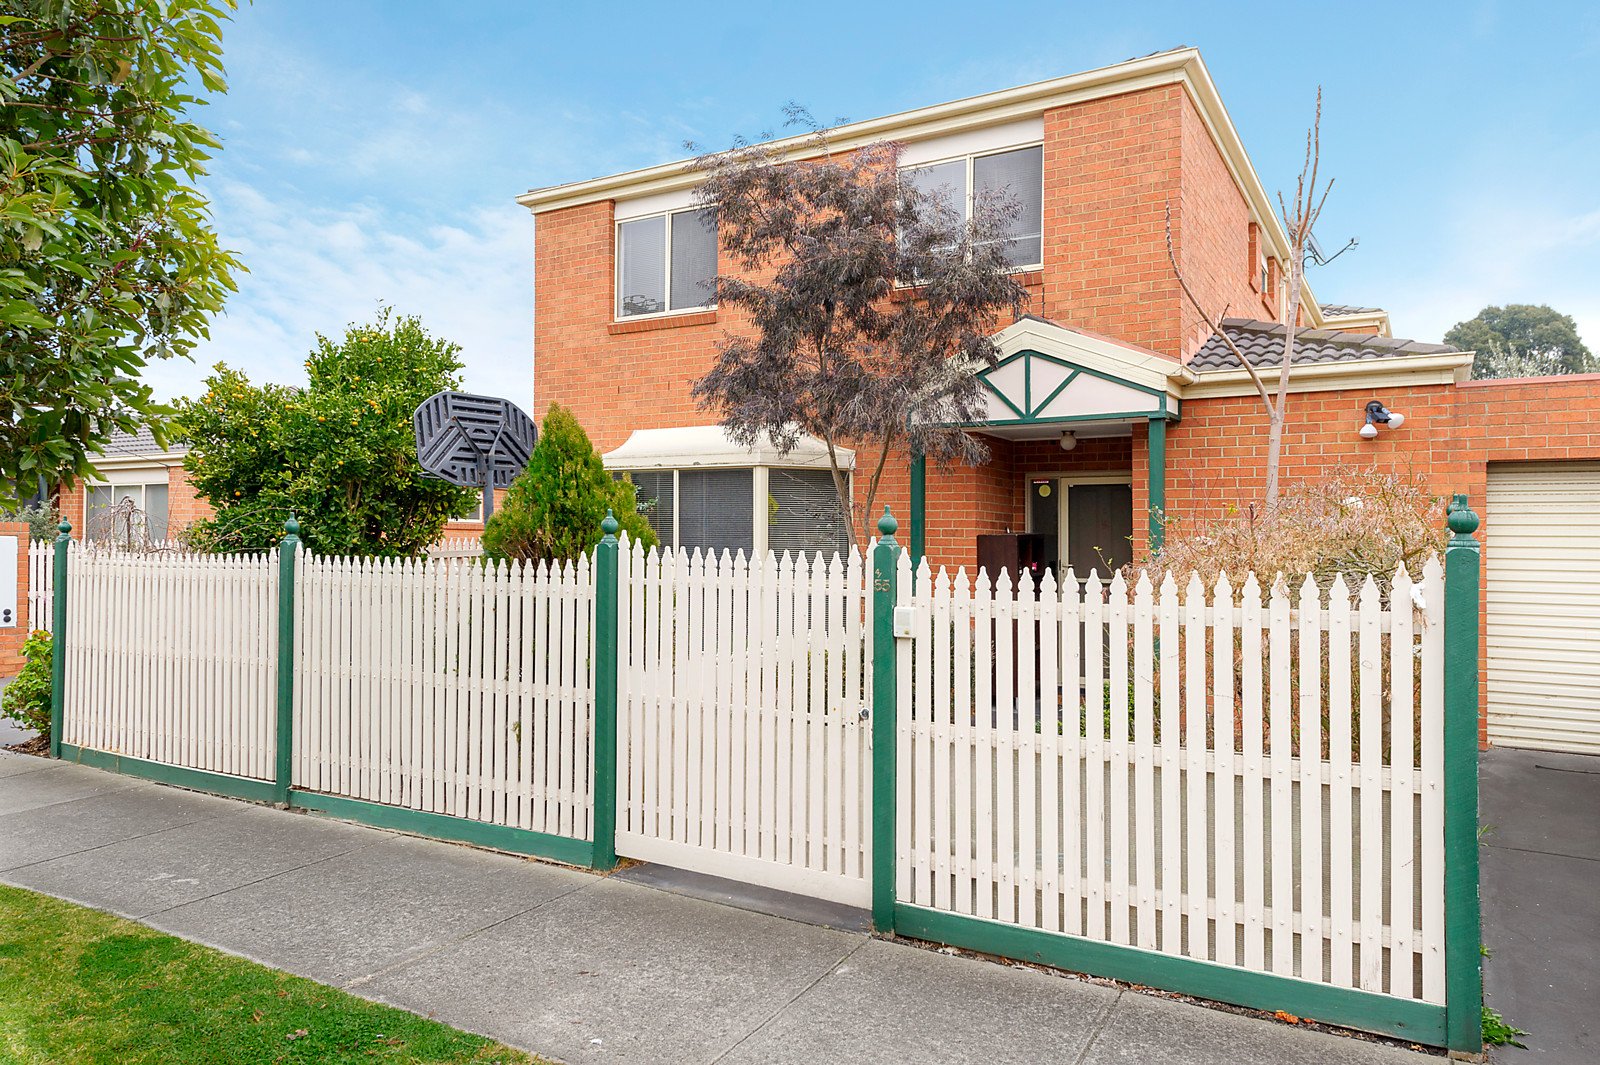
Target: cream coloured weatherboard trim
(1182, 66)
(1399, 371)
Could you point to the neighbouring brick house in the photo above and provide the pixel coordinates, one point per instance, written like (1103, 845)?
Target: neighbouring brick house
(1110, 362)
(133, 467)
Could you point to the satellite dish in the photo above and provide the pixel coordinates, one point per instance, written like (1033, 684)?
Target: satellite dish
(473, 441)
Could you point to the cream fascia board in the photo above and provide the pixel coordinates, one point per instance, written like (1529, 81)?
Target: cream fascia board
(1182, 66)
(940, 119)
(1339, 376)
(1148, 369)
(164, 460)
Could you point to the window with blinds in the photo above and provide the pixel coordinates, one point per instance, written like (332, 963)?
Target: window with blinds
(714, 510)
(667, 262)
(1017, 173)
(803, 514)
(655, 499)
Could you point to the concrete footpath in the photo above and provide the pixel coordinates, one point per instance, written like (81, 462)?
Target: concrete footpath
(1541, 902)
(578, 967)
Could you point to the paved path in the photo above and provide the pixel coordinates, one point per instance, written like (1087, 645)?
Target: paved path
(1541, 902)
(571, 965)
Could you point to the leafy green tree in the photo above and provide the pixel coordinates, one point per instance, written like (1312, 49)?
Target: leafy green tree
(107, 255)
(1523, 340)
(554, 508)
(339, 453)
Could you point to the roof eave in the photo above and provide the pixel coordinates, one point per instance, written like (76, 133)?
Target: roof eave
(1430, 369)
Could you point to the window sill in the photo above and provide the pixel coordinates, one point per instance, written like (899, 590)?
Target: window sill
(1025, 278)
(666, 321)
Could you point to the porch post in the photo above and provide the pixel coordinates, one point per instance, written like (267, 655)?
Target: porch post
(1157, 481)
(919, 506)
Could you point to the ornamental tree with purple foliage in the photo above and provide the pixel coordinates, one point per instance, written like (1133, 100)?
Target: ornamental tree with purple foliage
(872, 301)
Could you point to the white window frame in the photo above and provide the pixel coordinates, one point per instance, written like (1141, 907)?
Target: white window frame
(760, 492)
(475, 518)
(666, 291)
(972, 194)
(122, 485)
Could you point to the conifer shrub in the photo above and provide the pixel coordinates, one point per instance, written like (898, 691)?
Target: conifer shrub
(555, 506)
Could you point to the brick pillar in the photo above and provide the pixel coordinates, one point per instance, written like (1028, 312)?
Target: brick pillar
(11, 638)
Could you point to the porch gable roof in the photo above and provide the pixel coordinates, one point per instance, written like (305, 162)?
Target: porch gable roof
(1051, 374)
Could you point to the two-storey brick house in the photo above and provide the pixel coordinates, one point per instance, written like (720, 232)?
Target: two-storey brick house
(1114, 405)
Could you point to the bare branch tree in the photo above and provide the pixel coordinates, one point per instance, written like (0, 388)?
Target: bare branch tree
(1299, 219)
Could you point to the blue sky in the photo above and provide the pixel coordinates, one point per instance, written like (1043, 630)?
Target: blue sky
(372, 148)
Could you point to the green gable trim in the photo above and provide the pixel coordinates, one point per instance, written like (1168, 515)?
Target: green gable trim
(1420, 1022)
(1028, 412)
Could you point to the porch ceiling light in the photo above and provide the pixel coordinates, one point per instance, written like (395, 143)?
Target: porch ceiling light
(1378, 414)
(1068, 440)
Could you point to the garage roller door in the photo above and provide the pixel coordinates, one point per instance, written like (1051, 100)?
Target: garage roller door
(1543, 579)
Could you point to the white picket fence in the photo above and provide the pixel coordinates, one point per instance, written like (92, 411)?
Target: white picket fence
(41, 586)
(172, 658)
(447, 686)
(1248, 779)
(456, 547)
(743, 739)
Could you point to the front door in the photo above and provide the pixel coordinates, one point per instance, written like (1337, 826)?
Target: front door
(1092, 524)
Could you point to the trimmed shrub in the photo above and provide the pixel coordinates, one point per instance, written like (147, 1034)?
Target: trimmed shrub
(554, 508)
(26, 699)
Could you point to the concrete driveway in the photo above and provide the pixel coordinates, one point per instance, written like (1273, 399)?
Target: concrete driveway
(1541, 902)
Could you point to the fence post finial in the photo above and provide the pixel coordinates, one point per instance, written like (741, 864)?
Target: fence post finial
(603, 793)
(887, 526)
(291, 528)
(58, 637)
(1463, 928)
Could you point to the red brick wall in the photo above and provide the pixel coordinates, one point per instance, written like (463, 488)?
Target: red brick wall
(1111, 167)
(1212, 231)
(11, 639)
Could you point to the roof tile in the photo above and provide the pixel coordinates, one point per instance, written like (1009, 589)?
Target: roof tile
(1262, 343)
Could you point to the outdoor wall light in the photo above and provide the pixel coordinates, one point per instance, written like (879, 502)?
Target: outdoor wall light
(1378, 414)
(1068, 441)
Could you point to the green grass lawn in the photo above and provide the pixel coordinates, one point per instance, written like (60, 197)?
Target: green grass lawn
(81, 986)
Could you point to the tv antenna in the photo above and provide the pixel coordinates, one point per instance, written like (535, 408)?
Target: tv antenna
(473, 441)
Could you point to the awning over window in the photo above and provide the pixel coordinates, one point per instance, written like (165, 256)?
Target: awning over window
(708, 447)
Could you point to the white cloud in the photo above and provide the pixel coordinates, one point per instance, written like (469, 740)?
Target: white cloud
(316, 269)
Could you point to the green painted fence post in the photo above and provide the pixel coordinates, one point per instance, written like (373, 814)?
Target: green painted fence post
(1463, 932)
(604, 791)
(283, 751)
(885, 791)
(58, 638)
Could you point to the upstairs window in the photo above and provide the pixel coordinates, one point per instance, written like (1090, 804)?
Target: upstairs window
(960, 183)
(666, 262)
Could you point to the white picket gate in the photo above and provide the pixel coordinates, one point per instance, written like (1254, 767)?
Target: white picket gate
(41, 587)
(1243, 779)
(448, 686)
(172, 658)
(742, 731)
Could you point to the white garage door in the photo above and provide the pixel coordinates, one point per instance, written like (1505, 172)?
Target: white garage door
(1543, 573)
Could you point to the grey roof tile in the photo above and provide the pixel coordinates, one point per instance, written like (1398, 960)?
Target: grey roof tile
(1339, 310)
(1262, 343)
(142, 442)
